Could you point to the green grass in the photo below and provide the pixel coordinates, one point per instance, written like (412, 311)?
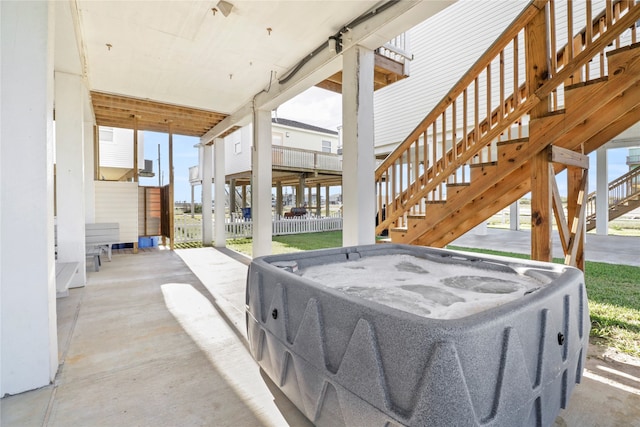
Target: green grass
(614, 302)
(613, 290)
(292, 242)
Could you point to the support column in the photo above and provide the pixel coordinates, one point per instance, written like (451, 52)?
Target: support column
(318, 201)
(309, 197)
(219, 181)
(244, 196)
(172, 208)
(358, 147)
(327, 200)
(232, 195)
(602, 192)
(29, 339)
(207, 172)
(193, 201)
(536, 75)
(514, 216)
(261, 183)
(541, 207)
(70, 174)
(89, 162)
(279, 207)
(300, 192)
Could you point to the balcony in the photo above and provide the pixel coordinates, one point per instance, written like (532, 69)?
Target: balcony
(391, 64)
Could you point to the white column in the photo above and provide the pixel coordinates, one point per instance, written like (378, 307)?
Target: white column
(261, 183)
(207, 172)
(602, 192)
(358, 147)
(70, 173)
(514, 216)
(219, 171)
(28, 342)
(89, 173)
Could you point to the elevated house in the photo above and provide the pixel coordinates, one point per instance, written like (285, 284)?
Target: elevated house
(305, 158)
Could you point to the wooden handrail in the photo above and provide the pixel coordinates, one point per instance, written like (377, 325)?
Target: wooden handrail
(620, 190)
(433, 154)
(507, 36)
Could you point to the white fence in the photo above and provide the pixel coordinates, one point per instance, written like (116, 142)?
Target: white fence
(190, 230)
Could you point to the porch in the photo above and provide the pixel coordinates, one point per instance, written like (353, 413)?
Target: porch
(158, 338)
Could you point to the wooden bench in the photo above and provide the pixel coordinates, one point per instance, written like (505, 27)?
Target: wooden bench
(101, 237)
(64, 274)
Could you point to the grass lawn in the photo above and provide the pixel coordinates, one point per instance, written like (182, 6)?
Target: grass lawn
(614, 302)
(613, 290)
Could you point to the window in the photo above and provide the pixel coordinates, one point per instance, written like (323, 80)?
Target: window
(237, 147)
(326, 146)
(106, 134)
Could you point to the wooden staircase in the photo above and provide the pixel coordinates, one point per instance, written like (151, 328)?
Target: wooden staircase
(514, 120)
(624, 196)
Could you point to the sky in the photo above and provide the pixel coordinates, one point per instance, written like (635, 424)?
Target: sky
(317, 107)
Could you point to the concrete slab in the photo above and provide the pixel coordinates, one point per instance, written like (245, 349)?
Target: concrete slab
(158, 338)
(609, 249)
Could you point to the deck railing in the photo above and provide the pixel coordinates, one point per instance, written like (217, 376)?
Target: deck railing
(620, 190)
(491, 102)
(297, 158)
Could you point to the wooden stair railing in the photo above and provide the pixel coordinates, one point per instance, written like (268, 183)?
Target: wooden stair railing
(442, 151)
(624, 196)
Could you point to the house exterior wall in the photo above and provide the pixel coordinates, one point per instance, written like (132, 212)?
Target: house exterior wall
(238, 144)
(118, 202)
(118, 153)
(303, 139)
(457, 37)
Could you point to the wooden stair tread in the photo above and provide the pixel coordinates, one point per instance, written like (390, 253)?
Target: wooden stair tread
(458, 184)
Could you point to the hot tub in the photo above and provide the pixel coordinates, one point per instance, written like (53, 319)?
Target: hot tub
(387, 335)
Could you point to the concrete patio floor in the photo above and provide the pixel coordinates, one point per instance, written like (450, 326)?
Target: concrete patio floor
(158, 339)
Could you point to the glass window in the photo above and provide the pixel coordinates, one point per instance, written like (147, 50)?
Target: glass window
(326, 146)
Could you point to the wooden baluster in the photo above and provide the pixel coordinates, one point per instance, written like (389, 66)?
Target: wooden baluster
(454, 134)
(434, 147)
(476, 110)
(501, 86)
(444, 140)
(516, 78)
(465, 121)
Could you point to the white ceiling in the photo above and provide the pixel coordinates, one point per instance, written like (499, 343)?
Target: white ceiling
(179, 52)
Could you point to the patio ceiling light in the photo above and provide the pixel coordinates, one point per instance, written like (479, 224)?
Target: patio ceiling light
(224, 7)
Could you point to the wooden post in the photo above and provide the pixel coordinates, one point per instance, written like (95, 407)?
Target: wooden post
(171, 201)
(96, 153)
(318, 201)
(327, 202)
(574, 187)
(232, 196)
(135, 148)
(537, 73)
(279, 207)
(244, 196)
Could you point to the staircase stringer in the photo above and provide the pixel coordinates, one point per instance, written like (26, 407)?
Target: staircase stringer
(452, 223)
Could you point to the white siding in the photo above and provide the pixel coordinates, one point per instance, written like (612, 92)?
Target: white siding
(236, 162)
(305, 139)
(118, 202)
(118, 153)
(444, 48)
